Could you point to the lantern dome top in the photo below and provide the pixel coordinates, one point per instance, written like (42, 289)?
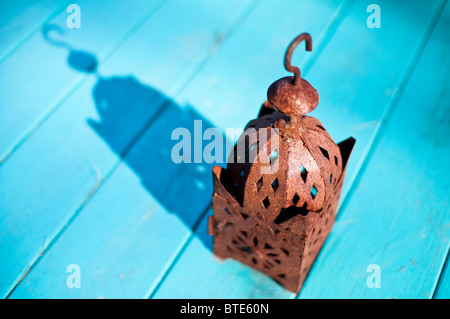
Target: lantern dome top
(291, 163)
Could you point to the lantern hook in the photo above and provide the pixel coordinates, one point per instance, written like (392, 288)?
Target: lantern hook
(287, 57)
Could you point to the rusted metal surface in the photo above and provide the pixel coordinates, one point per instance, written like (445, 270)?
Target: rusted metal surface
(275, 216)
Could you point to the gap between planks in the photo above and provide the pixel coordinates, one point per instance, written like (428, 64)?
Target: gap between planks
(439, 277)
(154, 288)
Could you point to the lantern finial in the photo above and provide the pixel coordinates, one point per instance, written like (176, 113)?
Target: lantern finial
(287, 57)
(293, 95)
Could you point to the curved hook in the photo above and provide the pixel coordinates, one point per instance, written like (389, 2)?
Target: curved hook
(287, 57)
(48, 29)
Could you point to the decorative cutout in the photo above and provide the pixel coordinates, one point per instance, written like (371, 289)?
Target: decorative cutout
(286, 214)
(273, 157)
(244, 216)
(275, 185)
(295, 199)
(324, 152)
(304, 173)
(266, 202)
(313, 192)
(259, 184)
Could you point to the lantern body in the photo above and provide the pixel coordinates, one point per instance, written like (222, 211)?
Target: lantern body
(275, 203)
(281, 237)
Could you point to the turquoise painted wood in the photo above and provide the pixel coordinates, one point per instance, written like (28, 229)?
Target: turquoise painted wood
(43, 60)
(74, 159)
(86, 175)
(188, 204)
(362, 117)
(398, 215)
(105, 232)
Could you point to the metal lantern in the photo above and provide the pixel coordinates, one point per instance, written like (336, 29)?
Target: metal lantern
(275, 203)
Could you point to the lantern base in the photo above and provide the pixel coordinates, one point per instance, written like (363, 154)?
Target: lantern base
(272, 247)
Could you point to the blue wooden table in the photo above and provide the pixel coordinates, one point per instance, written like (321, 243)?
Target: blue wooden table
(92, 205)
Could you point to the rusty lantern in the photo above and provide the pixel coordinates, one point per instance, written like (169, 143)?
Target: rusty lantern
(275, 214)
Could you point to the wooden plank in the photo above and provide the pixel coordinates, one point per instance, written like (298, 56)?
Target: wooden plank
(48, 180)
(19, 20)
(40, 67)
(38, 199)
(107, 241)
(343, 110)
(144, 183)
(398, 215)
(184, 47)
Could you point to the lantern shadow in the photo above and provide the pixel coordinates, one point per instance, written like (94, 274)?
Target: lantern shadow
(137, 122)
